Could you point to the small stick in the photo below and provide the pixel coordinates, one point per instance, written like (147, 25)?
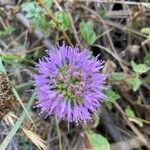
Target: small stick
(131, 125)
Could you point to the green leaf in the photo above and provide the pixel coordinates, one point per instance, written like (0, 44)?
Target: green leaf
(135, 83)
(147, 79)
(130, 112)
(48, 3)
(87, 32)
(2, 69)
(108, 104)
(28, 7)
(36, 17)
(111, 97)
(146, 30)
(139, 68)
(148, 37)
(7, 31)
(63, 20)
(147, 58)
(41, 23)
(11, 57)
(132, 117)
(31, 10)
(98, 142)
(117, 76)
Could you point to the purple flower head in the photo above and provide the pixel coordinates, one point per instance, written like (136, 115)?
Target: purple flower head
(69, 85)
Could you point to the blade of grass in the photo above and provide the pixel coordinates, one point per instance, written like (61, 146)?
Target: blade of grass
(2, 69)
(22, 85)
(17, 124)
(21, 103)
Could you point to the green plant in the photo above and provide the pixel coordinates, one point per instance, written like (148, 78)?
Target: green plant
(139, 69)
(111, 97)
(63, 20)
(132, 117)
(7, 31)
(87, 32)
(134, 79)
(36, 15)
(98, 142)
(146, 31)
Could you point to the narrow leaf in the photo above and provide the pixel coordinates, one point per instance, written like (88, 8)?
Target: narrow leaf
(17, 125)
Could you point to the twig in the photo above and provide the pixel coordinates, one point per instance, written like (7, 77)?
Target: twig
(3, 44)
(75, 31)
(115, 1)
(57, 4)
(133, 143)
(108, 35)
(131, 125)
(111, 53)
(2, 22)
(17, 38)
(104, 33)
(112, 23)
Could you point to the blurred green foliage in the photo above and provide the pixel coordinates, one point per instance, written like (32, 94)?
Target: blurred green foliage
(111, 97)
(98, 142)
(134, 79)
(132, 117)
(147, 59)
(117, 76)
(87, 32)
(146, 30)
(39, 19)
(36, 16)
(129, 112)
(7, 31)
(135, 83)
(139, 68)
(63, 19)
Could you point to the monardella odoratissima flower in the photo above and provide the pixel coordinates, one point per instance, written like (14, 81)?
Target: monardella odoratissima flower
(69, 85)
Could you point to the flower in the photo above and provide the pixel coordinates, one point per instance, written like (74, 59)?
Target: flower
(69, 85)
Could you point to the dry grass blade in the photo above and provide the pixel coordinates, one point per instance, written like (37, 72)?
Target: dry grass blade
(17, 125)
(10, 118)
(35, 139)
